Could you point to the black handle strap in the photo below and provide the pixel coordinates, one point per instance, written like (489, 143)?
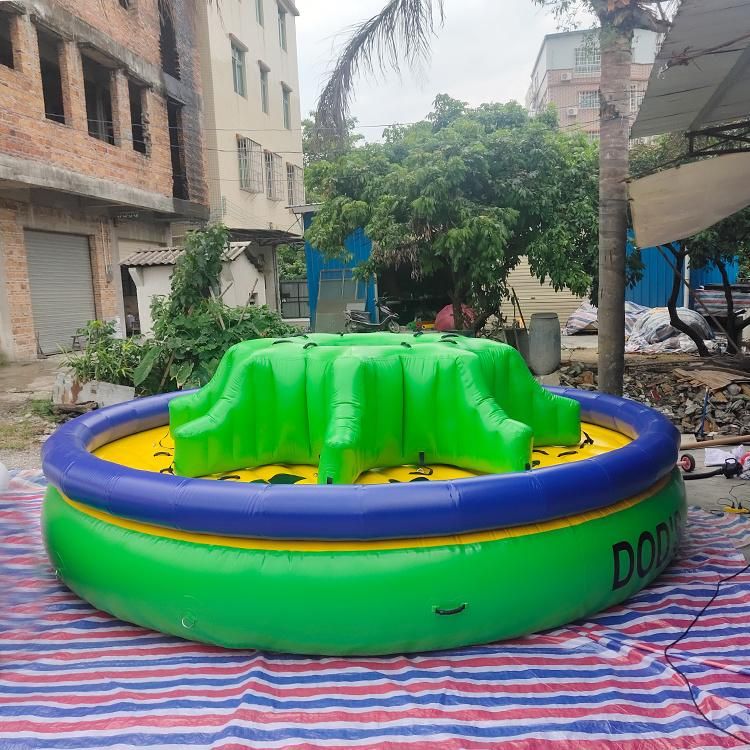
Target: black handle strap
(455, 611)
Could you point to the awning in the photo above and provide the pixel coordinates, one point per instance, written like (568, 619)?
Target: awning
(701, 76)
(677, 203)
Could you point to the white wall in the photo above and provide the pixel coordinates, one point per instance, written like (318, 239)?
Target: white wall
(228, 114)
(558, 52)
(238, 280)
(151, 281)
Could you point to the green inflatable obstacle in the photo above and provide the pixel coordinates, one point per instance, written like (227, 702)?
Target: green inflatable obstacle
(436, 558)
(356, 402)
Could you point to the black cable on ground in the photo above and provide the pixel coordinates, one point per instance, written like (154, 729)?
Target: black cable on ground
(745, 742)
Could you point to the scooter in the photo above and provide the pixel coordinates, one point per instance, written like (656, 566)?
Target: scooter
(358, 321)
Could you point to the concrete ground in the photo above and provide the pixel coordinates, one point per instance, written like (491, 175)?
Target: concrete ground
(715, 493)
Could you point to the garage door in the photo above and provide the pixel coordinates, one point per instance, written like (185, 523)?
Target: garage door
(62, 293)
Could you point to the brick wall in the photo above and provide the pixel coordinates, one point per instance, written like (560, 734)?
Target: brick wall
(26, 133)
(15, 273)
(14, 218)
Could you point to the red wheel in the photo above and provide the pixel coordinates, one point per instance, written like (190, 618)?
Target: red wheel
(686, 463)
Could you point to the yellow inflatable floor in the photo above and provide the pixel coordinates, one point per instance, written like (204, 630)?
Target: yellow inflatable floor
(152, 450)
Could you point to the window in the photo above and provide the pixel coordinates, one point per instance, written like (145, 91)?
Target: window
(170, 60)
(286, 100)
(588, 99)
(137, 120)
(282, 28)
(238, 69)
(264, 87)
(97, 89)
(259, 12)
(290, 184)
(588, 60)
(6, 40)
(250, 156)
(636, 97)
(49, 63)
(177, 150)
(295, 298)
(294, 186)
(274, 179)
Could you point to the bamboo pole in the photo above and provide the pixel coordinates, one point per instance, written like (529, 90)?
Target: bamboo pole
(726, 440)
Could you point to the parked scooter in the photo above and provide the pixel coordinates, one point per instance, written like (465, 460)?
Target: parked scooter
(358, 321)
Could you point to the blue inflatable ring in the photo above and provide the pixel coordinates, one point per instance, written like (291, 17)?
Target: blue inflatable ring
(358, 512)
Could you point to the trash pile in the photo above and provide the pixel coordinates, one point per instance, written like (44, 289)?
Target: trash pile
(680, 394)
(647, 330)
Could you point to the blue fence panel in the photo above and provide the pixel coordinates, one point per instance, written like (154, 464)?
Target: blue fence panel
(710, 274)
(359, 247)
(655, 286)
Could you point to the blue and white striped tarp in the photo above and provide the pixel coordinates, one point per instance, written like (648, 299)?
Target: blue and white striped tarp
(72, 677)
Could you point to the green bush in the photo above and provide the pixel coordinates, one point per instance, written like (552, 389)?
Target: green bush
(192, 328)
(105, 357)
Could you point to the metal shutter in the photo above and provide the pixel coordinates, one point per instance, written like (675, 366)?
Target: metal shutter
(539, 298)
(62, 292)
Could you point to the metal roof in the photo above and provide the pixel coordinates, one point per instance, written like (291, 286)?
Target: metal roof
(701, 76)
(167, 256)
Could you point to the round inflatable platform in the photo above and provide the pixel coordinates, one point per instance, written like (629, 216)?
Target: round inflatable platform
(407, 557)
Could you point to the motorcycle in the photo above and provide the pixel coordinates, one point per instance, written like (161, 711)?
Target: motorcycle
(358, 321)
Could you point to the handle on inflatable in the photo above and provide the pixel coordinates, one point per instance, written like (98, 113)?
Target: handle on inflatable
(455, 611)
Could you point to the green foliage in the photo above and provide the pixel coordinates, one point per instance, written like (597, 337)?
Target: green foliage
(196, 273)
(105, 357)
(465, 194)
(321, 146)
(186, 349)
(192, 328)
(291, 260)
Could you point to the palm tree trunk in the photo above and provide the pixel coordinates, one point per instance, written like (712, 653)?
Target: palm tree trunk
(616, 56)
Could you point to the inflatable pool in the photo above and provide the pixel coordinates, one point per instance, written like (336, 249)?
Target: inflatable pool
(363, 494)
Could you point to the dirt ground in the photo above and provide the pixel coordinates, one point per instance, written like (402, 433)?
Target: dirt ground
(25, 406)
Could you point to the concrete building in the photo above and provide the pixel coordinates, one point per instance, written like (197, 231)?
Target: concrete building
(253, 123)
(567, 73)
(244, 279)
(100, 150)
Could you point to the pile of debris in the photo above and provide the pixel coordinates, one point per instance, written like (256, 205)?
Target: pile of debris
(681, 394)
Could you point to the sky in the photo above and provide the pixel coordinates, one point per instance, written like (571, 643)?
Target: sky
(484, 52)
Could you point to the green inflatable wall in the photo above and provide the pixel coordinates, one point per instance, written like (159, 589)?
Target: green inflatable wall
(354, 402)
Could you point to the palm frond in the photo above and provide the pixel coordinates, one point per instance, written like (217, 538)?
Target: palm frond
(401, 32)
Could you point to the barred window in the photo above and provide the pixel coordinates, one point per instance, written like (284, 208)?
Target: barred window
(274, 175)
(637, 93)
(588, 99)
(294, 185)
(588, 60)
(250, 155)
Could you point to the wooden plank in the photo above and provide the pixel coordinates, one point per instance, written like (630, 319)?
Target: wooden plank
(713, 379)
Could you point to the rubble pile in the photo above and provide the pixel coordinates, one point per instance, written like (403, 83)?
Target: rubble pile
(679, 394)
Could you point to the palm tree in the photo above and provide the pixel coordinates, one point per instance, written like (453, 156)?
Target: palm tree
(403, 30)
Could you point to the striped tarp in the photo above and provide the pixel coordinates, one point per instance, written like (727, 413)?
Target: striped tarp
(72, 677)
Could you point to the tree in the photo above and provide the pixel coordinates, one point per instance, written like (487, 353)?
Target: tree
(324, 144)
(721, 245)
(291, 261)
(403, 30)
(462, 197)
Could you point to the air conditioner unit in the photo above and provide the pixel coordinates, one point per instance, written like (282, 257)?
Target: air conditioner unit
(566, 76)
(572, 111)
